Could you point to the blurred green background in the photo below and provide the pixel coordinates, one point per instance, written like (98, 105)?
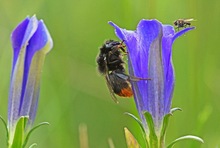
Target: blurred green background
(72, 92)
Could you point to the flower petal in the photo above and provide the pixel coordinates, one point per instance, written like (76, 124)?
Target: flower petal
(143, 46)
(169, 78)
(20, 37)
(155, 91)
(22, 34)
(40, 45)
(168, 30)
(169, 75)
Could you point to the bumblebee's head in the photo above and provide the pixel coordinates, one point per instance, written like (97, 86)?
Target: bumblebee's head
(108, 46)
(111, 43)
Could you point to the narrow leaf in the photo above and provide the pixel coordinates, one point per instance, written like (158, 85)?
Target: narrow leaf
(164, 128)
(175, 109)
(33, 145)
(184, 138)
(165, 125)
(131, 141)
(141, 126)
(5, 125)
(19, 132)
(137, 120)
(34, 128)
(152, 136)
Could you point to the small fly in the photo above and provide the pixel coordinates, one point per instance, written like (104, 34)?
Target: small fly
(182, 23)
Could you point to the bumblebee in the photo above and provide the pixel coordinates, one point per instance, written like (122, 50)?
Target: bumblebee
(111, 66)
(182, 23)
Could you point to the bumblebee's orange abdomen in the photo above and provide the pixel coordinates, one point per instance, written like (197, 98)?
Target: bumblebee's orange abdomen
(126, 92)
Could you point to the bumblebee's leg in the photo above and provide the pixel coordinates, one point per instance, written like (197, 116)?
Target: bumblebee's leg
(118, 60)
(122, 42)
(135, 79)
(117, 47)
(114, 49)
(121, 46)
(129, 77)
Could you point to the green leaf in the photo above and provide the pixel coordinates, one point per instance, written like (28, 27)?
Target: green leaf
(152, 136)
(184, 138)
(138, 121)
(175, 109)
(165, 125)
(130, 140)
(34, 128)
(33, 145)
(5, 125)
(164, 128)
(141, 126)
(19, 132)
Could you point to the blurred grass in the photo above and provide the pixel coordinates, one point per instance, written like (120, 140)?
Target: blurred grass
(72, 92)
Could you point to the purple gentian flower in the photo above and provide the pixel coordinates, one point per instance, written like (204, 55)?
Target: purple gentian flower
(31, 42)
(150, 56)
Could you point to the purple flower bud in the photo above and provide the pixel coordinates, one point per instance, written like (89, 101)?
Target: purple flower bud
(31, 42)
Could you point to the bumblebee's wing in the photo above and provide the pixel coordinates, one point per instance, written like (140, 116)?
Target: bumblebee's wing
(122, 76)
(108, 82)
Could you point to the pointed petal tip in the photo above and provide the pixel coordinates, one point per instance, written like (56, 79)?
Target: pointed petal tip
(46, 37)
(112, 24)
(187, 29)
(181, 32)
(34, 16)
(49, 38)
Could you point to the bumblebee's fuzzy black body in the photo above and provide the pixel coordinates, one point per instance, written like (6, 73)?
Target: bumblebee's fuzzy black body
(111, 65)
(110, 57)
